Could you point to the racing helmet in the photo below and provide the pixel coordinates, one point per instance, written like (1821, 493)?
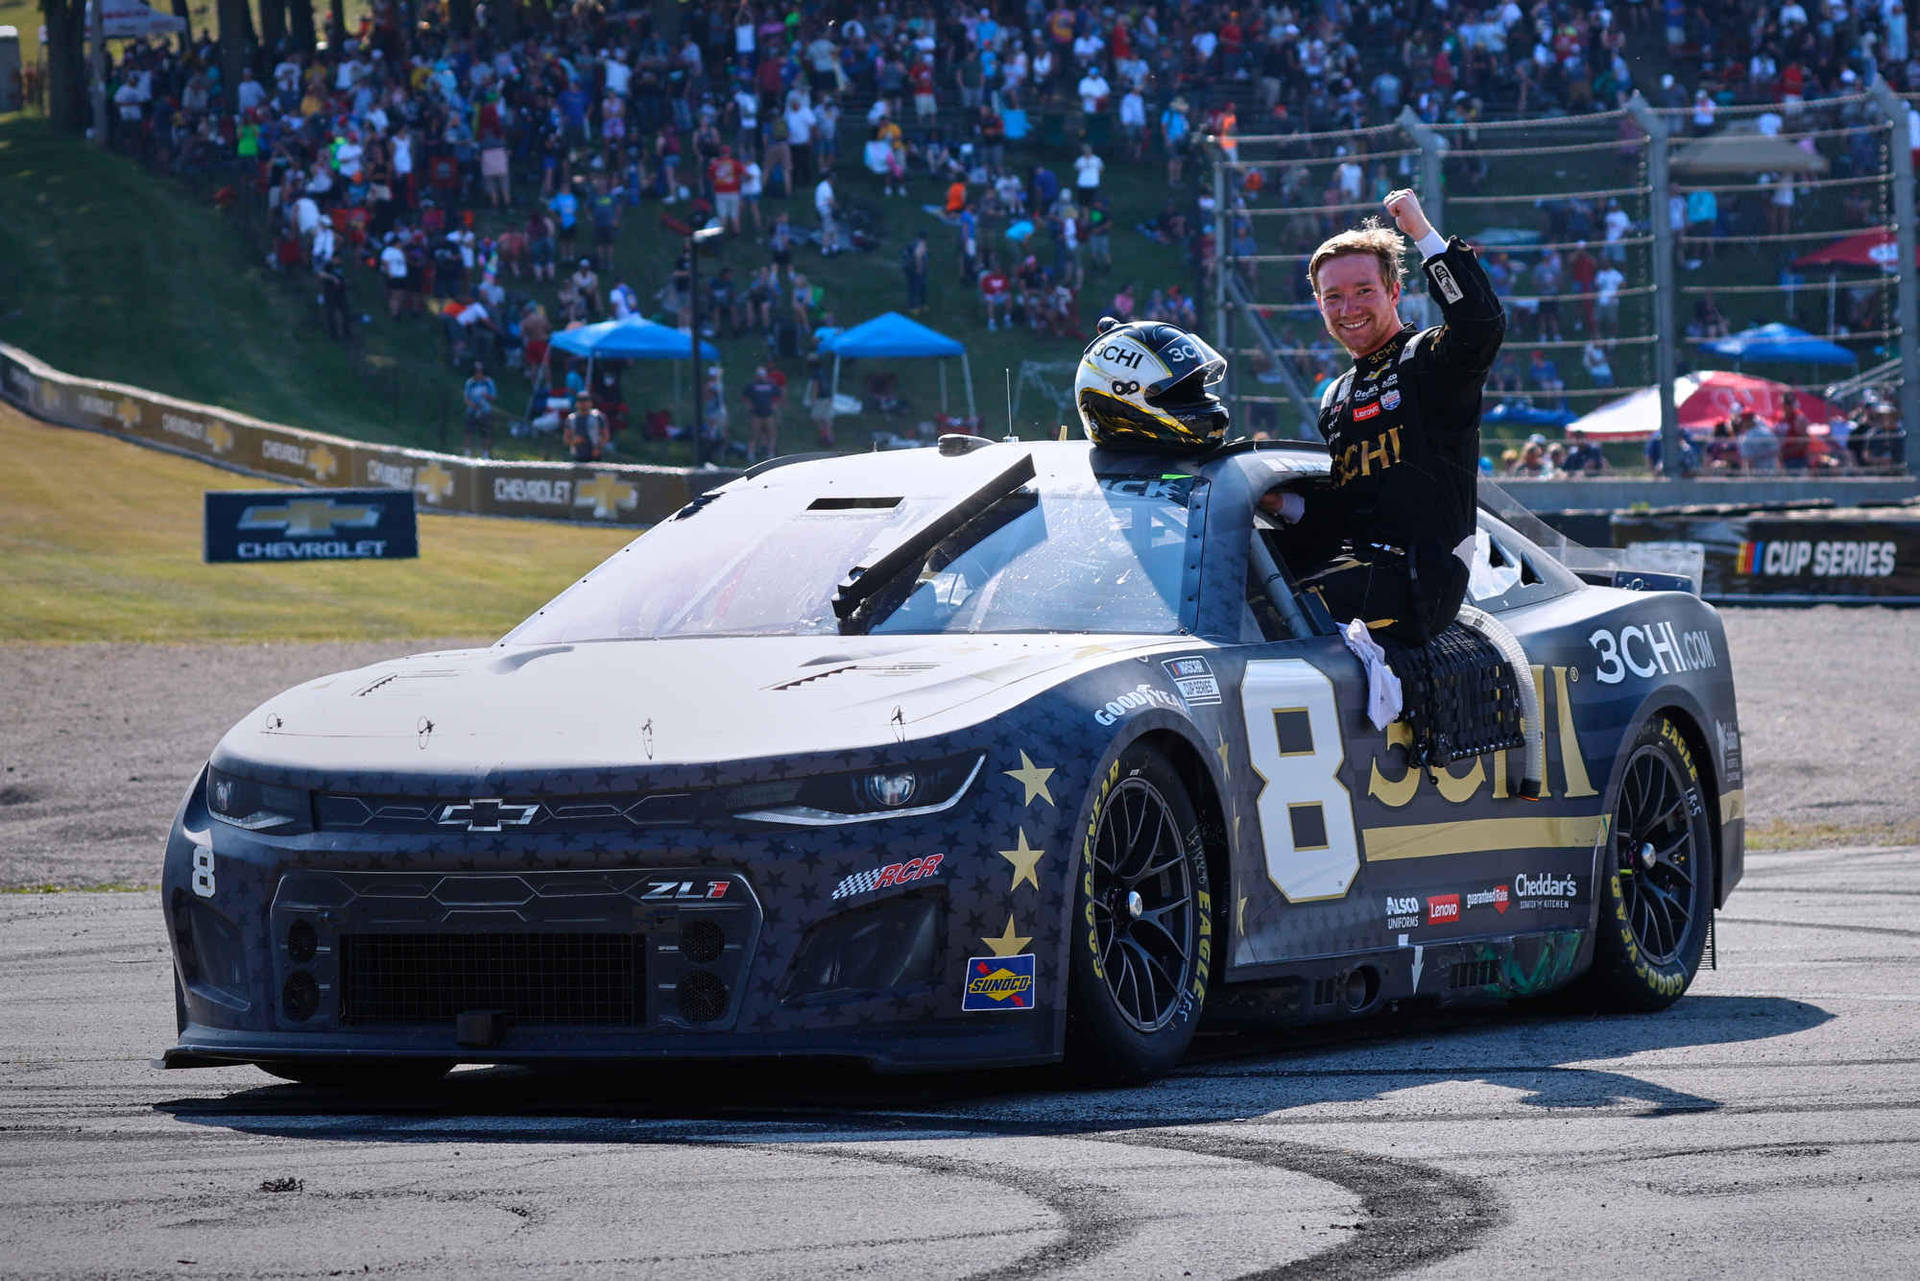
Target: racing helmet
(1145, 384)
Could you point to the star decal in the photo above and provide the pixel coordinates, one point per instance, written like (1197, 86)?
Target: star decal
(1032, 778)
(1008, 943)
(1026, 863)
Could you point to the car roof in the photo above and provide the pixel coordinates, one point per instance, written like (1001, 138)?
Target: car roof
(1058, 465)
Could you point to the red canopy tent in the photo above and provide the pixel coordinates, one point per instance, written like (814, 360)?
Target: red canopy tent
(1701, 400)
(1862, 249)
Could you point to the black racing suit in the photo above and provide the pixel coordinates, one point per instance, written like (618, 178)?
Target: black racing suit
(1403, 429)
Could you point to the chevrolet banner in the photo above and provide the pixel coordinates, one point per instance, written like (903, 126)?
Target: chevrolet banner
(1842, 556)
(611, 494)
(293, 524)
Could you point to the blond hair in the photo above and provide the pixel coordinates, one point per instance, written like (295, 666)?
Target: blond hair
(1371, 237)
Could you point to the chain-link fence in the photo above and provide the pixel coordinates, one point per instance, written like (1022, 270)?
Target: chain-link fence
(1636, 251)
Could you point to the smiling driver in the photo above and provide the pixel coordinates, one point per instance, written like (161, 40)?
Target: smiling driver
(1402, 426)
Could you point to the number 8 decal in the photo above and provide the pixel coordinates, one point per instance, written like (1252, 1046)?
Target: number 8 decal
(203, 871)
(1306, 813)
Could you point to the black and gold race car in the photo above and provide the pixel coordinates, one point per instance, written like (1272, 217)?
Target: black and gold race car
(952, 758)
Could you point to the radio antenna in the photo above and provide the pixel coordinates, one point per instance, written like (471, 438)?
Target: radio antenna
(1012, 437)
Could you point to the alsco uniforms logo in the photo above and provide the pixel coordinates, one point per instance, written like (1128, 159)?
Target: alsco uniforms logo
(999, 983)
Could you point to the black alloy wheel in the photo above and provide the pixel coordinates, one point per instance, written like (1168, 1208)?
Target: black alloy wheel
(1143, 924)
(1144, 913)
(1656, 875)
(1653, 849)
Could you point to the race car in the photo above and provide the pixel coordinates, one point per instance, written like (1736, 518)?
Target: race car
(985, 755)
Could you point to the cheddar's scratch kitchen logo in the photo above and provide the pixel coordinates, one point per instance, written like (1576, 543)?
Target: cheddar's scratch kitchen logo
(999, 983)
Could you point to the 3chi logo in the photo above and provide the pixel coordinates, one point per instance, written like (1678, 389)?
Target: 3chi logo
(486, 814)
(1125, 388)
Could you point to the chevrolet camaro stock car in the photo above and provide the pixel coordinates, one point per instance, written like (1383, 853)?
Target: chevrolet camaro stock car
(983, 755)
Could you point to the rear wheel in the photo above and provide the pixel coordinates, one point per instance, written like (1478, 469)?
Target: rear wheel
(362, 1076)
(1656, 878)
(1142, 930)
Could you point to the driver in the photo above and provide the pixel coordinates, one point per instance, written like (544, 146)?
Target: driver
(1402, 426)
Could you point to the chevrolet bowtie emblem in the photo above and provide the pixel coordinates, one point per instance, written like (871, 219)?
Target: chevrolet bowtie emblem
(303, 516)
(487, 815)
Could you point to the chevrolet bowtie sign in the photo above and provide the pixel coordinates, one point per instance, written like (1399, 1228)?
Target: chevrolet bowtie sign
(326, 524)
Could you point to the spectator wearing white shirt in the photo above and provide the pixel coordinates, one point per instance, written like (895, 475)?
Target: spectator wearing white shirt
(393, 272)
(800, 122)
(824, 206)
(1607, 283)
(1617, 224)
(1087, 169)
(1094, 91)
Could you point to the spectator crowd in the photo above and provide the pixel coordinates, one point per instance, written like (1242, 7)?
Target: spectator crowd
(479, 162)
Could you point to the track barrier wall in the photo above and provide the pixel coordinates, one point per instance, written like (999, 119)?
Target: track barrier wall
(1833, 556)
(600, 493)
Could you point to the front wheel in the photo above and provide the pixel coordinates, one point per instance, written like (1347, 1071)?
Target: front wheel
(1656, 877)
(1142, 925)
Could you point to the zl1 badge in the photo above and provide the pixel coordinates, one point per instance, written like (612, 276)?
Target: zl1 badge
(999, 983)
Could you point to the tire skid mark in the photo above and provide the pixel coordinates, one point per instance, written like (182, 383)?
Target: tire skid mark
(1091, 1220)
(1417, 1214)
(1887, 930)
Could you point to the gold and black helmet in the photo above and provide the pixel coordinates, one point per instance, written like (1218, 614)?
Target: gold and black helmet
(1145, 385)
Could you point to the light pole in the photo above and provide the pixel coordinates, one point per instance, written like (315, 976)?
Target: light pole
(694, 240)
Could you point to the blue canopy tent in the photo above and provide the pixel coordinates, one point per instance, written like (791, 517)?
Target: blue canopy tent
(1781, 344)
(634, 338)
(1516, 415)
(893, 334)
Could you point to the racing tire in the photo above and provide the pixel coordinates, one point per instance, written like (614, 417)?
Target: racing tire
(1655, 876)
(361, 1076)
(1141, 937)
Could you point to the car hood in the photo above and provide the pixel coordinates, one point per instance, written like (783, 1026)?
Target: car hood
(659, 702)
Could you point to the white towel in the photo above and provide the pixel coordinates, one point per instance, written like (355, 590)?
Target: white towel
(1384, 698)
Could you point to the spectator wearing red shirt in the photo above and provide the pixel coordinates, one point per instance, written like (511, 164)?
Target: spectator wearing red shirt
(920, 80)
(726, 173)
(996, 291)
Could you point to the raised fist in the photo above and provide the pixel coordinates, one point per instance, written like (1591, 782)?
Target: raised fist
(1406, 211)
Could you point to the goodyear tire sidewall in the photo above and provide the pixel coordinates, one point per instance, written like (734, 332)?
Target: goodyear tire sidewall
(1627, 968)
(1099, 1039)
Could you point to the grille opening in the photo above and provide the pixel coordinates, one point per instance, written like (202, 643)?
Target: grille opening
(300, 998)
(302, 942)
(529, 978)
(1325, 989)
(1473, 974)
(702, 996)
(702, 941)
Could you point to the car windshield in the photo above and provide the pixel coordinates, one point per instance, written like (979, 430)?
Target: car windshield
(766, 562)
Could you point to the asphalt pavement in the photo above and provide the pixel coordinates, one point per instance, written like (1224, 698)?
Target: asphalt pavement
(1768, 1125)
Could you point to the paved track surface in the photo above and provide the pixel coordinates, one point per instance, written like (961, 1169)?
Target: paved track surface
(1767, 1125)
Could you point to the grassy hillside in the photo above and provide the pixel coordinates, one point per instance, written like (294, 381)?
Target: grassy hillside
(126, 275)
(101, 542)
